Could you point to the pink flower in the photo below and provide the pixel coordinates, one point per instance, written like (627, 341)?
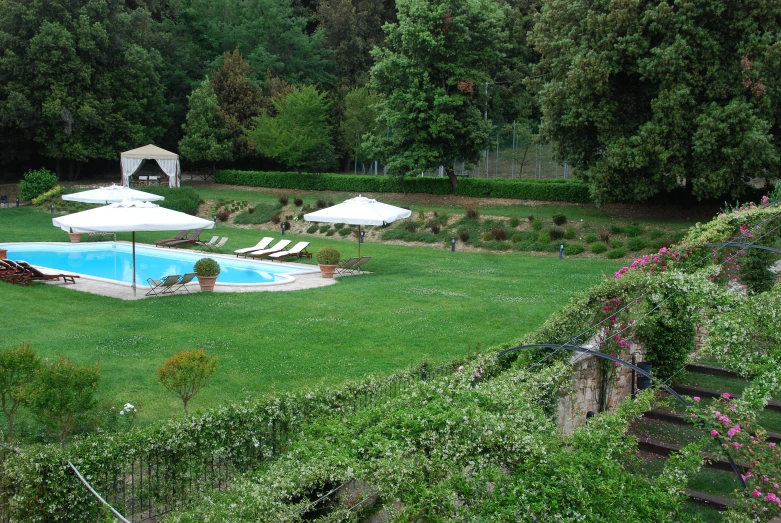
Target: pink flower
(733, 407)
(726, 395)
(696, 398)
(771, 445)
(461, 367)
(714, 433)
(756, 493)
(734, 430)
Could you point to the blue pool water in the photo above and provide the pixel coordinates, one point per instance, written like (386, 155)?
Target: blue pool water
(114, 261)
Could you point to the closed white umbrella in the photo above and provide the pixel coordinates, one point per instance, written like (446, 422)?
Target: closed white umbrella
(111, 194)
(359, 211)
(130, 216)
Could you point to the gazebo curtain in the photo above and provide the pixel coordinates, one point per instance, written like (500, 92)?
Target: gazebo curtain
(169, 167)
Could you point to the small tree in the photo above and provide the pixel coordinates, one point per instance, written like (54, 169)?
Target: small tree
(17, 369)
(186, 373)
(61, 395)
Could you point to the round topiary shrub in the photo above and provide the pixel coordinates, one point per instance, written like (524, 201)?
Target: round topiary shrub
(471, 211)
(312, 229)
(559, 219)
(499, 234)
(275, 219)
(328, 256)
(590, 238)
(514, 221)
(487, 236)
(321, 204)
(636, 243)
(537, 225)
(464, 235)
(206, 267)
(573, 248)
(223, 214)
(411, 227)
(283, 200)
(617, 244)
(598, 247)
(556, 234)
(35, 183)
(435, 228)
(543, 237)
(298, 202)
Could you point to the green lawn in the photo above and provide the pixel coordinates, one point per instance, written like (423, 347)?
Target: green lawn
(420, 304)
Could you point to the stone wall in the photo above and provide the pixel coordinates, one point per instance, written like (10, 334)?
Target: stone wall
(586, 392)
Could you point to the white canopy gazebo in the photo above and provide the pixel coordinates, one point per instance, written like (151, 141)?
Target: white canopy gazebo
(131, 161)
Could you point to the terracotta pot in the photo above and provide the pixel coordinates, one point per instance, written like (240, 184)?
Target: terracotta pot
(328, 270)
(75, 237)
(207, 282)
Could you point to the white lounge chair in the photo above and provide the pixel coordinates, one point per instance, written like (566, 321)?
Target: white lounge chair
(280, 245)
(262, 244)
(297, 251)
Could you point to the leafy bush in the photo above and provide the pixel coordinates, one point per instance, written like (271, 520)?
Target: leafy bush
(519, 189)
(61, 395)
(668, 333)
(634, 230)
(344, 232)
(555, 234)
(283, 200)
(338, 226)
(312, 229)
(471, 211)
(569, 233)
(48, 195)
(636, 243)
(276, 219)
(330, 232)
(328, 256)
(206, 267)
(261, 213)
(498, 234)
(321, 204)
(186, 373)
(464, 235)
(514, 221)
(298, 202)
(590, 238)
(435, 228)
(537, 225)
(36, 182)
(530, 218)
(755, 270)
(17, 371)
(182, 199)
(412, 227)
(604, 236)
(616, 244)
(543, 237)
(325, 228)
(516, 238)
(559, 219)
(655, 234)
(573, 249)
(616, 253)
(598, 248)
(616, 229)
(488, 236)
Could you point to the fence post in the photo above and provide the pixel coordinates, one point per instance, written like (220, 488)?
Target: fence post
(423, 369)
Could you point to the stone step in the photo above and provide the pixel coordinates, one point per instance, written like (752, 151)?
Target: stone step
(707, 499)
(671, 417)
(666, 449)
(711, 370)
(691, 390)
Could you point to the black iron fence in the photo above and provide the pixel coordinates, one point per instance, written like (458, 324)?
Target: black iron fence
(143, 485)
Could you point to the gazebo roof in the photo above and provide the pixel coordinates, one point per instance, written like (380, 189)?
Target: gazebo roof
(150, 152)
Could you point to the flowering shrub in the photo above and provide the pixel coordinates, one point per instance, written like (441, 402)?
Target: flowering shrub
(51, 193)
(735, 433)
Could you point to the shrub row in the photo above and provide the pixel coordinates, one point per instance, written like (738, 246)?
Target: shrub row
(182, 199)
(545, 190)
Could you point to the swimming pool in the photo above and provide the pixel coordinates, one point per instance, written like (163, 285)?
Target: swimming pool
(114, 262)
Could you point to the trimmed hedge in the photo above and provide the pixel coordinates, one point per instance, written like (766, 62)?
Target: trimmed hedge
(545, 190)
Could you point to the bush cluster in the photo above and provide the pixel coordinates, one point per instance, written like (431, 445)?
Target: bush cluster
(36, 182)
(182, 199)
(545, 190)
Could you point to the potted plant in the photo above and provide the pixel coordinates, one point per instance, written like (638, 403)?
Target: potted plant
(328, 259)
(207, 270)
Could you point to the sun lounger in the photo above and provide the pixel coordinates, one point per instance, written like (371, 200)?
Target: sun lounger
(215, 247)
(182, 283)
(163, 286)
(351, 266)
(36, 274)
(11, 272)
(213, 240)
(262, 244)
(280, 245)
(180, 235)
(191, 239)
(297, 251)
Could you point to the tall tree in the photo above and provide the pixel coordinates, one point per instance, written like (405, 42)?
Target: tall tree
(437, 55)
(206, 138)
(360, 121)
(645, 96)
(77, 81)
(299, 133)
(239, 99)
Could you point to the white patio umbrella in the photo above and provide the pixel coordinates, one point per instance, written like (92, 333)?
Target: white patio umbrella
(359, 211)
(111, 194)
(130, 216)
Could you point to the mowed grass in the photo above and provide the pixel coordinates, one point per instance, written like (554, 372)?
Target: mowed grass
(420, 304)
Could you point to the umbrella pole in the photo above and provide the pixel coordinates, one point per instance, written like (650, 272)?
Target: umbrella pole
(359, 240)
(134, 263)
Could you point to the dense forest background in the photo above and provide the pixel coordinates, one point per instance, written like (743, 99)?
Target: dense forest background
(639, 97)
